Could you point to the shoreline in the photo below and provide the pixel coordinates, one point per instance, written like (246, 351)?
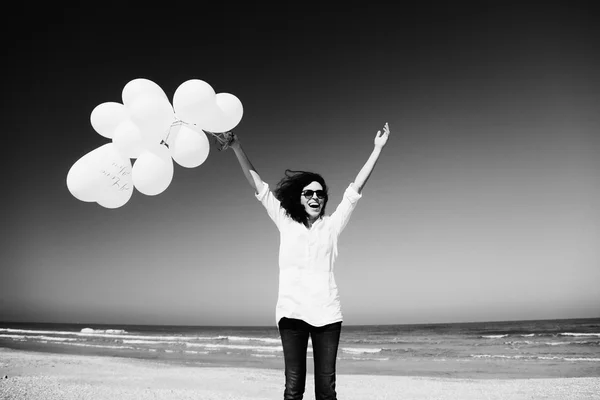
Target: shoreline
(457, 369)
(504, 350)
(37, 375)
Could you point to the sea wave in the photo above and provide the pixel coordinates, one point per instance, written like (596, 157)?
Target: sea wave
(500, 336)
(20, 338)
(188, 341)
(357, 350)
(525, 357)
(252, 339)
(100, 346)
(108, 331)
(579, 334)
(139, 341)
(365, 358)
(192, 342)
(42, 332)
(103, 334)
(237, 347)
(378, 340)
(586, 342)
(38, 337)
(561, 343)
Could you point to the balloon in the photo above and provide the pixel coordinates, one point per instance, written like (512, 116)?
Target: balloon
(232, 110)
(210, 119)
(224, 115)
(189, 148)
(128, 139)
(140, 87)
(112, 202)
(106, 116)
(103, 175)
(191, 100)
(153, 170)
(80, 180)
(153, 115)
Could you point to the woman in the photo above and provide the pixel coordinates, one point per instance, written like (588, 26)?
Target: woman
(308, 303)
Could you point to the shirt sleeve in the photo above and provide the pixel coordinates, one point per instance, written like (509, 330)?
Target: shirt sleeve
(341, 215)
(271, 204)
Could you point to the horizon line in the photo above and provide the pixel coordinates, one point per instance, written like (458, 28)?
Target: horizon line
(269, 326)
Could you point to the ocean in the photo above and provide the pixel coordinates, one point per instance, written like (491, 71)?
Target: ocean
(511, 349)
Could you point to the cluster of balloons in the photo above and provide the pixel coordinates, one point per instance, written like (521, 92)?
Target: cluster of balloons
(148, 128)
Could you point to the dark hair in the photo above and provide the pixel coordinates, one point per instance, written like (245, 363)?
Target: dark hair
(289, 190)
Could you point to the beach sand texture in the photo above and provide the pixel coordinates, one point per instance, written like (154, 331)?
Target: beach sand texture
(33, 375)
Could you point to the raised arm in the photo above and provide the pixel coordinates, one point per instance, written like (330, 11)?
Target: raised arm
(249, 171)
(365, 172)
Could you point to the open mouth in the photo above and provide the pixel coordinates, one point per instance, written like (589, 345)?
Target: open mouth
(313, 205)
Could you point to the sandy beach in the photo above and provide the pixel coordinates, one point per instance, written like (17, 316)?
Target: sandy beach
(33, 375)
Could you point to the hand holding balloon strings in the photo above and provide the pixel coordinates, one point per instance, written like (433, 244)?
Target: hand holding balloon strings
(225, 139)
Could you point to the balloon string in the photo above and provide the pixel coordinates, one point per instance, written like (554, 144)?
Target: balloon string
(177, 122)
(224, 138)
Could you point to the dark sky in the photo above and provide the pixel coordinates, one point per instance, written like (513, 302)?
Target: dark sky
(483, 206)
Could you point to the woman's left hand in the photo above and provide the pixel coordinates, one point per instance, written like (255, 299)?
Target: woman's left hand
(382, 137)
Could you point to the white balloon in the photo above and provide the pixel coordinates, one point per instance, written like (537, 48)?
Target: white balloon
(103, 175)
(191, 100)
(114, 200)
(224, 115)
(141, 87)
(212, 119)
(80, 180)
(153, 170)
(128, 139)
(83, 178)
(189, 148)
(232, 110)
(107, 116)
(154, 116)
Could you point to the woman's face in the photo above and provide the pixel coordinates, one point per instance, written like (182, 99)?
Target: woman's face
(311, 201)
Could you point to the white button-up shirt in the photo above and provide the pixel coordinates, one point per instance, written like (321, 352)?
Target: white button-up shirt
(307, 288)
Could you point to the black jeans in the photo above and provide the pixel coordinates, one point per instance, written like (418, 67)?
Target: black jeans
(325, 340)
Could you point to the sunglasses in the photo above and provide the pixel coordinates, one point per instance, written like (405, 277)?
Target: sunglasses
(308, 194)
